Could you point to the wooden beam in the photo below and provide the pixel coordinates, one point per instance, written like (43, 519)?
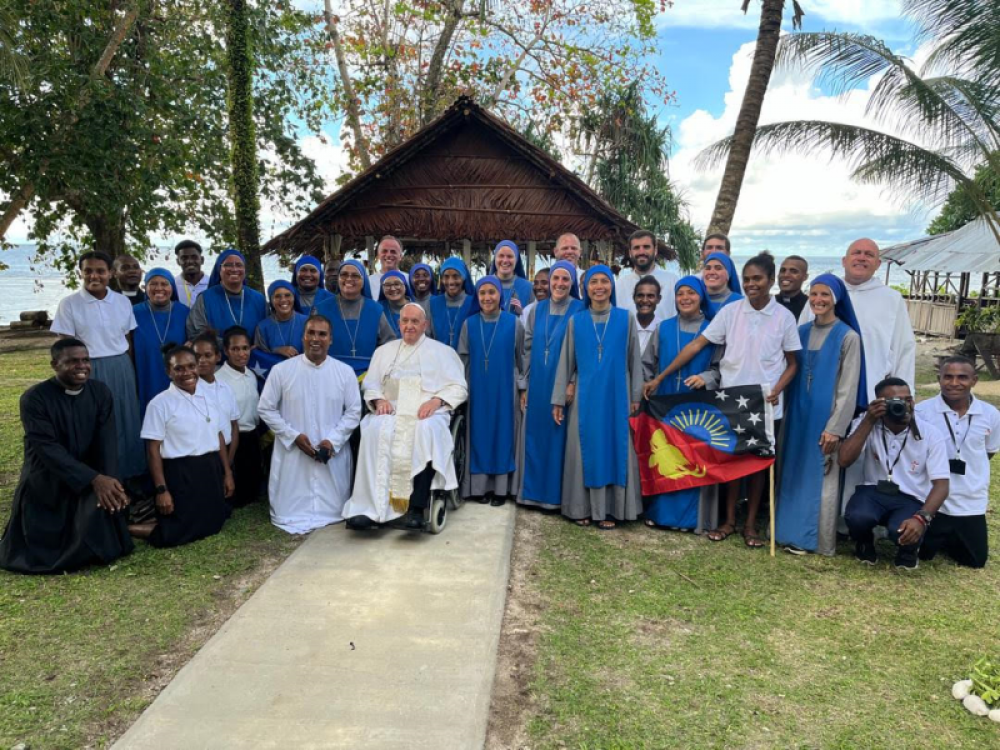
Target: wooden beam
(467, 254)
(532, 247)
(585, 254)
(462, 209)
(370, 253)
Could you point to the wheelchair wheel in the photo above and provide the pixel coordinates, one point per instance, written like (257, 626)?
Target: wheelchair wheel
(455, 498)
(438, 515)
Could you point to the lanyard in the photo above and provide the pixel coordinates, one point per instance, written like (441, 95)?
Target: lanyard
(889, 468)
(958, 446)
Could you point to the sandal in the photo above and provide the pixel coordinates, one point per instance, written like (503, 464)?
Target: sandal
(582, 522)
(606, 525)
(649, 523)
(752, 540)
(720, 534)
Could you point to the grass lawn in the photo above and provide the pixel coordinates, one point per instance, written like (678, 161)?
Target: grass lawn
(654, 639)
(82, 655)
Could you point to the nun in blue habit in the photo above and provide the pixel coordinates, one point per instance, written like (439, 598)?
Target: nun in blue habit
(423, 286)
(695, 508)
(601, 354)
(450, 308)
(359, 322)
(490, 346)
(161, 320)
(307, 282)
(508, 267)
(542, 443)
(281, 332)
(228, 301)
(722, 282)
(393, 299)
(829, 389)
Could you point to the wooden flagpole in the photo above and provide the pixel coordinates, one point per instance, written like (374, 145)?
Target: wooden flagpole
(771, 493)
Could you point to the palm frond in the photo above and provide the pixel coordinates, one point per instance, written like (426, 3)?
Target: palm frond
(840, 61)
(13, 65)
(905, 168)
(967, 33)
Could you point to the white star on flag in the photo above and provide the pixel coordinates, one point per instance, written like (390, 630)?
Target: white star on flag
(721, 395)
(742, 402)
(751, 442)
(754, 418)
(259, 371)
(738, 430)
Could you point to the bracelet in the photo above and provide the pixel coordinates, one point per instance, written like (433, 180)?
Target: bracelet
(922, 520)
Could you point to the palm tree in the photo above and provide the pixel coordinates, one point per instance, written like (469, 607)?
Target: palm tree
(768, 34)
(13, 66)
(946, 113)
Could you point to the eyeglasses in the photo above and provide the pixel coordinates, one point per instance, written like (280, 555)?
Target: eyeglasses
(350, 276)
(394, 286)
(232, 266)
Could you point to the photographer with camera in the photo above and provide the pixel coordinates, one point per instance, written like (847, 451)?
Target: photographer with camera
(312, 404)
(906, 472)
(972, 434)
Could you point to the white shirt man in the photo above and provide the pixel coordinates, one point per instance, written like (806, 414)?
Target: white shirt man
(412, 386)
(568, 249)
(642, 251)
(312, 404)
(971, 430)
(890, 348)
(389, 252)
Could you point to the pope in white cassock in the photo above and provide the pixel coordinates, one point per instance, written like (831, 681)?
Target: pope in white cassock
(412, 386)
(312, 404)
(886, 331)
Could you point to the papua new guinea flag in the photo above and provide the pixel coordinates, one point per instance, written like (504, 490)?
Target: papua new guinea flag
(702, 438)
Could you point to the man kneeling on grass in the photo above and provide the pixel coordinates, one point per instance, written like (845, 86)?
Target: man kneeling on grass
(905, 474)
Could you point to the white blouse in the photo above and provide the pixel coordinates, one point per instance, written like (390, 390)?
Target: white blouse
(187, 425)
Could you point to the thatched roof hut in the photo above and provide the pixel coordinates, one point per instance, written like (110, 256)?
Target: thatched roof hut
(458, 186)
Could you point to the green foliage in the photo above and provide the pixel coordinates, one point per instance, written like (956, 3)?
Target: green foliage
(627, 152)
(149, 153)
(959, 209)
(975, 319)
(986, 680)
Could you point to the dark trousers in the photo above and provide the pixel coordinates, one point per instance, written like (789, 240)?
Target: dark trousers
(421, 496)
(963, 538)
(248, 469)
(869, 508)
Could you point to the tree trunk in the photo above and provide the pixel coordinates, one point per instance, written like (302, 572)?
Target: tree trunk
(108, 231)
(353, 111)
(746, 123)
(27, 190)
(243, 136)
(435, 69)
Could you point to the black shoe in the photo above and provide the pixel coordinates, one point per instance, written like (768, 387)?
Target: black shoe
(497, 502)
(359, 523)
(865, 552)
(483, 500)
(907, 560)
(415, 519)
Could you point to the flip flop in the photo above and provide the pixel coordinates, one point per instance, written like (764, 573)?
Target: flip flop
(607, 525)
(718, 535)
(583, 522)
(753, 541)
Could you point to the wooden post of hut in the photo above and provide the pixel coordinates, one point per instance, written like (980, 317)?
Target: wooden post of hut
(370, 253)
(532, 247)
(467, 254)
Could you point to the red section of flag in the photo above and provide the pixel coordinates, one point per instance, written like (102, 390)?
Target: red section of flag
(671, 460)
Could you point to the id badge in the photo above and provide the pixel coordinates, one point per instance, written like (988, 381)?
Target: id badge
(957, 466)
(887, 487)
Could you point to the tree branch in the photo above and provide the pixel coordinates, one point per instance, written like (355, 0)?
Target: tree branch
(353, 111)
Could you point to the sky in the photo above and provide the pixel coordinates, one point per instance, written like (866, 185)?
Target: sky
(788, 205)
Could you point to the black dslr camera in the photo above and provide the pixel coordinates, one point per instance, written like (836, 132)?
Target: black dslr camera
(896, 408)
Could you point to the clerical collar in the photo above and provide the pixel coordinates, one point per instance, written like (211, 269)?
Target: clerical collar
(130, 294)
(70, 392)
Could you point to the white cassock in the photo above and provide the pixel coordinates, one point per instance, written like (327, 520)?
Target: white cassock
(886, 332)
(321, 402)
(396, 447)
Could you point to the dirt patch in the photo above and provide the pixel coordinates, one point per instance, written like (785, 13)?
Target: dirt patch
(512, 702)
(164, 667)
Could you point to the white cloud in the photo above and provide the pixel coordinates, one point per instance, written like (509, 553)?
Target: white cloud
(726, 13)
(806, 203)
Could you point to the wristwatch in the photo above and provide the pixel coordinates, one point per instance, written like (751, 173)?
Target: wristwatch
(926, 515)
(160, 489)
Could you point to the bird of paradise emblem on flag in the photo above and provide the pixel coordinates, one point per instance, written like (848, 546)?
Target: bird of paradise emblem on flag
(701, 438)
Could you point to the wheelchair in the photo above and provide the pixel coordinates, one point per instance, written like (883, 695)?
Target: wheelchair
(436, 512)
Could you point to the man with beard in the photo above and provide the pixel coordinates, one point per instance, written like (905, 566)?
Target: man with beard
(642, 251)
(192, 281)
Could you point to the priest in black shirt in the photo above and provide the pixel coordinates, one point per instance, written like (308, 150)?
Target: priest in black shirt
(69, 508)
(792, 275)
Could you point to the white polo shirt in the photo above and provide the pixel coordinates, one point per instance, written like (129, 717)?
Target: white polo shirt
(625, 287)
(187, 424)
(977, 434)
(225, 401)
(244, 388)
(756, 342)
(188, 293)
(920, 461)
(645, 334)
(102, 324)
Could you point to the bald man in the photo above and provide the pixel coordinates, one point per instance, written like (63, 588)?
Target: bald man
(389, 251)
(890, 348)
(568, 248)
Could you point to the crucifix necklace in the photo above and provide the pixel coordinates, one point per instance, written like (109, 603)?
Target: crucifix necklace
(548, 337)
(166, 329)
(208, 412)
(600, 339)
(486, 363)
(238, 322)
(353, 337)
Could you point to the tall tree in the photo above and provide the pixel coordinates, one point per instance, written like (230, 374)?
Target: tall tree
(768, 34)
(627, 163)
(243, 136)
(148, 152)
(945, 117)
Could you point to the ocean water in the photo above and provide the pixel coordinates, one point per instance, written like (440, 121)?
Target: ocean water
(27, 284)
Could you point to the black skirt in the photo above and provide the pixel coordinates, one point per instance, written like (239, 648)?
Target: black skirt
(247, 470)
(197, 486)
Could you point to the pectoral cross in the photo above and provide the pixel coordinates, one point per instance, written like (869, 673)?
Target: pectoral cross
(600, 353)
(354, 352)
(546, 355)
(486, 364)
(809, 380)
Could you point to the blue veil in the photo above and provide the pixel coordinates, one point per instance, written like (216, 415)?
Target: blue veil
(565, 265)
(474, 306)
(734, 277)
(457, 264)
(366, 286)
(165, 274)
(425, 267)
(593, 271)
(844, 311)
(518, 264)
(693, 282)
(216, 277)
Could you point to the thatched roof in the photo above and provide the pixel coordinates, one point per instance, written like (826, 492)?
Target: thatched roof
(465, 176)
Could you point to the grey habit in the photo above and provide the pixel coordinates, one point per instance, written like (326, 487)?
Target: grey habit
(501, 485)
(449, 301)
(600, 503)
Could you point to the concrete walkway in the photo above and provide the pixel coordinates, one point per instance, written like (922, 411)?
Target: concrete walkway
(371, 640)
